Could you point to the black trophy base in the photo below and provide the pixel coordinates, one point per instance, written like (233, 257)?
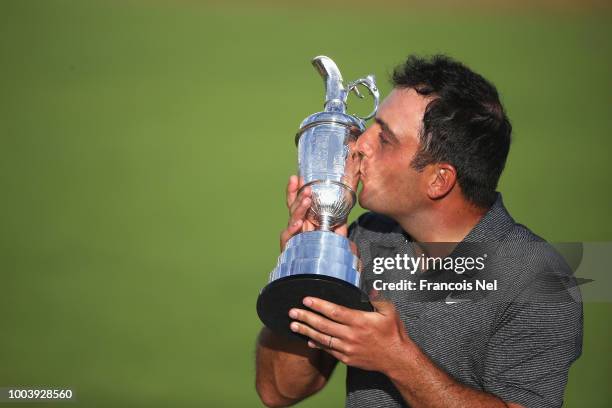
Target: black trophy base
(281, 295)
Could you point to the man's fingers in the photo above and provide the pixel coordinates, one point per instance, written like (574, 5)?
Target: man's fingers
(304, 193)
(319, 323)
(318, 337)
(297, 212)
(292, 189)
(300, 210)
(331, 310)
(339, 356)
(384, 307)
(294, 185)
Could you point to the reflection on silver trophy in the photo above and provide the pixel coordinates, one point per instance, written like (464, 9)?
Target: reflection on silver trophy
(320, 263)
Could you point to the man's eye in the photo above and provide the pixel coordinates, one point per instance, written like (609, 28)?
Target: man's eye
(382, 138)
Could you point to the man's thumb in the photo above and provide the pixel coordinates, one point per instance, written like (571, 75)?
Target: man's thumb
(384, 307)
(381, 305)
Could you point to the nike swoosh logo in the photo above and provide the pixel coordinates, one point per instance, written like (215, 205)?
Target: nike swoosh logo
(451, 301)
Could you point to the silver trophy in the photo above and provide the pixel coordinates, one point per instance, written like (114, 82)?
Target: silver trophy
(320, 263)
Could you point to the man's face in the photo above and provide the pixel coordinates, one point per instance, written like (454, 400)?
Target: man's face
(390, 185)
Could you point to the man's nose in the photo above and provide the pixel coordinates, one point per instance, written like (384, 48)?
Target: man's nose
(363, 146)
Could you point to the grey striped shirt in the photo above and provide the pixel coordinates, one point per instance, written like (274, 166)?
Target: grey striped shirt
(516, 342)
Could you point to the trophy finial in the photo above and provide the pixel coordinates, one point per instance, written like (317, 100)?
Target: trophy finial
(335, 93)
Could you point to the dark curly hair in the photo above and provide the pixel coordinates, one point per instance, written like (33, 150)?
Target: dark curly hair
(464, 125)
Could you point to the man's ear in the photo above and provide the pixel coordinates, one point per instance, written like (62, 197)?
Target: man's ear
(442, 180)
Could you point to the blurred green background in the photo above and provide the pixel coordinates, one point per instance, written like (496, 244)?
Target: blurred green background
(145, 146)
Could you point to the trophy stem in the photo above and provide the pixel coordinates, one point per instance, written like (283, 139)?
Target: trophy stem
(326, 221)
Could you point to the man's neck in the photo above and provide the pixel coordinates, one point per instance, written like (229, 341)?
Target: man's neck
(442, 223)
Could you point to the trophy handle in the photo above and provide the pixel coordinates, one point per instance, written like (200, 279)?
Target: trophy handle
(370, 83)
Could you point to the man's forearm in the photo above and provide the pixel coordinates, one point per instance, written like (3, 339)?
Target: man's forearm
(289, 371)
(425, 385)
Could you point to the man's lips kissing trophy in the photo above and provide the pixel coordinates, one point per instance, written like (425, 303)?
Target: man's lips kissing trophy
(320, 263)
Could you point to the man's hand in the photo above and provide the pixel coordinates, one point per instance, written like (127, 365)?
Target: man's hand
(367, 340)
(298, 205)
(377, 341)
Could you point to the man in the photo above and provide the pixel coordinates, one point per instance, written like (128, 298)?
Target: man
(429, 170)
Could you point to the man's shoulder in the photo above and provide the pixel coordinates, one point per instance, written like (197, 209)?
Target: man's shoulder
(371, 223)
(535, 251)
(534, 270)
(520, 233)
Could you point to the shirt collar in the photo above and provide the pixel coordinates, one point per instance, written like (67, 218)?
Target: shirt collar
(495, 224)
